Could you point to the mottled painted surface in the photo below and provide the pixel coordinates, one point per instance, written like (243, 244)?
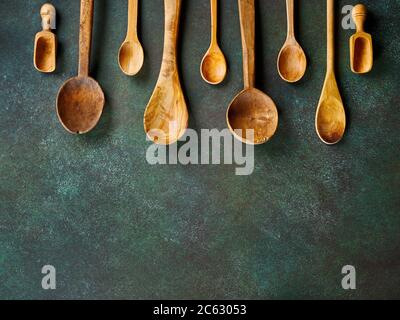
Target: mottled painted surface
(116, 227)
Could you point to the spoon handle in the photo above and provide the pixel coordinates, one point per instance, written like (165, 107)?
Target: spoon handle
(247, 27)
(290, 18)
(132, 20)
(85, 36)
(172, 13)
(214, 21)
(331, 35)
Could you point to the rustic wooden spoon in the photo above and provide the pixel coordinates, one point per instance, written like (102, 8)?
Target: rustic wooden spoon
(361, 48)
(213, 66)
(45, 50)
(131, 56)
(166, 116)
(80, 100)
(330, 120)
(251, 109)
(292, 61)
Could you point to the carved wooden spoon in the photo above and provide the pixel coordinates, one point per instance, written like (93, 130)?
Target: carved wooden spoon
(166, 116)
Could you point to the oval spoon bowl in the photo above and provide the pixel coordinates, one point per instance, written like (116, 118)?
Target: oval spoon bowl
(213, 67)
(292, 63)
(131, 57)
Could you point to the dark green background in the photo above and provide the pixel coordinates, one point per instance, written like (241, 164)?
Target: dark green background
(116, 227)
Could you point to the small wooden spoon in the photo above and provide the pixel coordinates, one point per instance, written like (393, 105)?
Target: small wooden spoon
(80, 100)
(251, 109)
(131, 56)
(361, 48)
(166, 116)
(292, 61)
(45, 42)
(213, 66)
(330, 120)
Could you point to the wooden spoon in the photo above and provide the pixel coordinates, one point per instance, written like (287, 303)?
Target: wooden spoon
(166, 116)
(131, 56)
(251, 109)
(45, 42)
(213, 66)
(330, 121)
(80, 100)
(361, 48)
(292, 61)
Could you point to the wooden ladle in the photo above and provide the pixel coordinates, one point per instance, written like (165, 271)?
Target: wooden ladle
(45, 50)
(292, 61)
(80, 100)
(361, 48)
(166, 116)
(330, 120)
(213, 67)
(131, 55)
(251, 109)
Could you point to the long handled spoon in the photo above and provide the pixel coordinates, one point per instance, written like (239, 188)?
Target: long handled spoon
(251, 109)
(213, 66)
(166, 116)
(131, 56)
(330, 120)
(80, 100)
(292, 61)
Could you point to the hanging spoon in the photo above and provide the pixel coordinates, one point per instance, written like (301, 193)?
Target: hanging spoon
(330, 120)
(131, 56)
(213, 66)
(292, 61)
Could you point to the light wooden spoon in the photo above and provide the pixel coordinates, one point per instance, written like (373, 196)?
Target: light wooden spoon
(213, 66)
(330, 120)
(131, 56)
(166, 116)
(292, 61)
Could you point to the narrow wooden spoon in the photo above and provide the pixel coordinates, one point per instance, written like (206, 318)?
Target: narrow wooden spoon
(251, 109)
(213, 66)
(330, 120)
(131, 55)
(166, 116)
(80, 100)
(292, 61)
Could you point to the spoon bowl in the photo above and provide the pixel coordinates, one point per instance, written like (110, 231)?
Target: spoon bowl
(252, 110)
(131, 57)
(292, 62)
(213, 67)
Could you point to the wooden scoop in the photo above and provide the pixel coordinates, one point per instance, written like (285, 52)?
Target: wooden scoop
(80, 100)
(45, 51)
(166, 116)
(292, 61)
(131, 56)
(330, 120)
(251, 109)
(361, 48)
(213, 66)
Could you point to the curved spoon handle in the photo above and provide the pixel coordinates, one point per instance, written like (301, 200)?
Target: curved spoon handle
(214, 21)
(290, 18)
(331, 35)
(132, 20)
(172, 14)
(247, 27)
(85, 36)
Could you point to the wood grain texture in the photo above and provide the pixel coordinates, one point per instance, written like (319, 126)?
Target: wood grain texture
(166, 116)
(85, 36)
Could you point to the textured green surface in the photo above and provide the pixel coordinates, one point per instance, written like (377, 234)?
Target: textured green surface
(116, 227)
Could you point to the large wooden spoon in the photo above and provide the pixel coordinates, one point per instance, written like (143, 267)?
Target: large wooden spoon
(292, 61)
(251, 109)
(330, 120)
(80, 100)
(166, 116)
(131, 55)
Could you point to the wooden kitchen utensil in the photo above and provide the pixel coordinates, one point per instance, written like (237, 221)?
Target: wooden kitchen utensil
(251, 109)
(131, 56)
(330, 120)
(213, 66)
(45, 50)
(80, 100)
(292, 61)
(166, 116)
(361, 48)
